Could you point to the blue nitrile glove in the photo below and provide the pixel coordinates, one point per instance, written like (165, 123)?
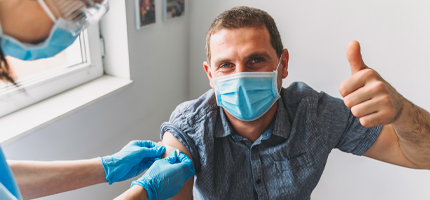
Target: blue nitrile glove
(132, 160)
(166, 176)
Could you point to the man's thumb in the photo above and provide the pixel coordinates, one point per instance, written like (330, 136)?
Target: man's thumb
(354, 57)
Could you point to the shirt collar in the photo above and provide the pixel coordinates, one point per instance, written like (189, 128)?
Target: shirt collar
(223, 127)
(281, 123)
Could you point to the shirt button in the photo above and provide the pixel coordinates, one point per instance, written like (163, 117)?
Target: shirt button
(258, 181)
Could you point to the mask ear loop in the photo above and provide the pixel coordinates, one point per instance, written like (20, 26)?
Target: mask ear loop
(276, 71)
(1, 30)
(47, 10)
(277, 67)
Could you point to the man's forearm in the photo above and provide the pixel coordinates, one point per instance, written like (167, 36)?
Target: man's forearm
(413, 129)
(37, 179)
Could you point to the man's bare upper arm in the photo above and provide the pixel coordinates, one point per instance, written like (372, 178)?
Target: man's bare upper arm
(171, 143)
(170, 140)
(387, 148)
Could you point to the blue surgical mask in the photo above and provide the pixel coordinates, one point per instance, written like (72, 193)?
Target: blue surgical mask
(74, 16)
(58, 40)
(247, 95)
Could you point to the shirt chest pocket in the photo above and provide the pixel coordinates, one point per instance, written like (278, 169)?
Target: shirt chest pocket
(301, 160)
(295, 171)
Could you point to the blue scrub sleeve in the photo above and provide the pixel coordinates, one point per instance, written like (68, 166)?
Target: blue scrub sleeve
(5, 194)
(8, 186)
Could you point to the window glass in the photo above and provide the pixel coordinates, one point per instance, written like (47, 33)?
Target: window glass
(42, 79)
(27, 70)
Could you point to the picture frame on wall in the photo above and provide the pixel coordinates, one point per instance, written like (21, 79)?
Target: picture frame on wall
(173, 9)
(145, 13)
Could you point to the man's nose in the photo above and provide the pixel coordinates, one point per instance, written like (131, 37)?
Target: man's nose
(241, 68)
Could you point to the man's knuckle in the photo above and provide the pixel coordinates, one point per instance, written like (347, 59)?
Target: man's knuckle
(369, 73)
(386, 100)
(380, 86)
(376, 88)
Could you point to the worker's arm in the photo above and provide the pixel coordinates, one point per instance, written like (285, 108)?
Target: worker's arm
(172, 143)
(405, 137)
(37, 179)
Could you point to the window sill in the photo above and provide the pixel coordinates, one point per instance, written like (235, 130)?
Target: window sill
(21, 123)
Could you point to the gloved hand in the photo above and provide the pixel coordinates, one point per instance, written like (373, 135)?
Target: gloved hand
(132, 160)
(166, 176)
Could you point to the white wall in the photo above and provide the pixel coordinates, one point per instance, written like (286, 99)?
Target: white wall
(395, 41)
(159, 70)
(167, 57)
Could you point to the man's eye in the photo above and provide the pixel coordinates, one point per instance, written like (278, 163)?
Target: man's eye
(225, 65)
(257, 60)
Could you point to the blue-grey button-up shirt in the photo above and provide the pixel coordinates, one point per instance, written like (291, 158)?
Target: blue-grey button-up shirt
(285, 162)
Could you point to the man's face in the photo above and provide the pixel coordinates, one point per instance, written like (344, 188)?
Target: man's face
(243, 50)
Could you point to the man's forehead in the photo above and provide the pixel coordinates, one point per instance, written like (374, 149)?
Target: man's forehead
(248, 40)
(245, 33)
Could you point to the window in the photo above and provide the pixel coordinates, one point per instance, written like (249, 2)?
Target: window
(41, 79)
(29, 70)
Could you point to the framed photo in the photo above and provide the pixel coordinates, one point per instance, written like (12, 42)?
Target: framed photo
(173, 9)
(145, 13)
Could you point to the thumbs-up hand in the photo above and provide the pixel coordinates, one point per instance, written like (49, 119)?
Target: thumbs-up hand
(367, 94)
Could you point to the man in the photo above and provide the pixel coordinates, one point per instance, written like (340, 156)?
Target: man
(249, 138)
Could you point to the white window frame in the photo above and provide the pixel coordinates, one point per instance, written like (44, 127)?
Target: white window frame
(113, 27)
(14, 98)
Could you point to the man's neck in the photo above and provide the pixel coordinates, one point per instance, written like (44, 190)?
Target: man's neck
(254, 129)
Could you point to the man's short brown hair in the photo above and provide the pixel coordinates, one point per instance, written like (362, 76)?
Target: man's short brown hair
(242, 17)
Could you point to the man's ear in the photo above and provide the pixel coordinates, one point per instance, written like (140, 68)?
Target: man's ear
(208, 73)
(285, 58)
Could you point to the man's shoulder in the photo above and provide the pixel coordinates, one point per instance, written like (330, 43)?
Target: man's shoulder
(199, 107)
(297, 91)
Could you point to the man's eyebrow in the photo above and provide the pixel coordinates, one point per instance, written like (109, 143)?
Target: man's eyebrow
(221, 60)
(264, 54)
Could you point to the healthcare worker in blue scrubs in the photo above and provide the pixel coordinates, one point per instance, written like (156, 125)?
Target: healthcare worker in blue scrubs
(35, 29)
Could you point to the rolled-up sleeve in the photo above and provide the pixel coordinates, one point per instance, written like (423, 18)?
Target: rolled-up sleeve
(180, 128)
(342, 129)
